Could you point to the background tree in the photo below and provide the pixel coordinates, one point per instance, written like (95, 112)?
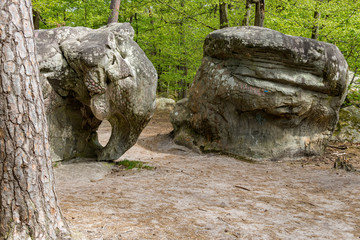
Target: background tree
(246, 21)
(87, 13)
(223, 12)
(28, 204)
(260, 13)
(114, 7)
(172, 32)
(36, 19)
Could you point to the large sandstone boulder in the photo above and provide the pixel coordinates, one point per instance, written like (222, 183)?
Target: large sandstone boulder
(89, 76)
(262, 95)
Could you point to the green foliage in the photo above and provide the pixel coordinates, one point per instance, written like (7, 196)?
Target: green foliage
(87, 13)
(56, 164)
(134, 164)
(353, 96)
(172, 32)
(339, 23)
(172, 41)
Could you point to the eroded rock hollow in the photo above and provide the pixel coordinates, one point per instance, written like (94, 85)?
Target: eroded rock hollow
(262, 95)
(89, 76)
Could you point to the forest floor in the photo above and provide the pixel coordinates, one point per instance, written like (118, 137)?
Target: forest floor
(187, 195)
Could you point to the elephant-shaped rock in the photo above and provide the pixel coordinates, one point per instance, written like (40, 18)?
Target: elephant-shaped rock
(262, 95)
(89, 76)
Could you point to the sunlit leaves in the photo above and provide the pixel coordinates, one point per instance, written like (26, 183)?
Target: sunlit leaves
(171, 32)
(88, 13)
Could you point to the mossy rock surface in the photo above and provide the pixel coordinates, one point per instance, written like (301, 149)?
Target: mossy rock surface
(348, 127)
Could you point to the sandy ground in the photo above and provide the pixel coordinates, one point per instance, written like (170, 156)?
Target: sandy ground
(208, 196)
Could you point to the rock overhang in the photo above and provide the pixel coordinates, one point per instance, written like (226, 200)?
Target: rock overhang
(98, 72)
(312, 65)
(261, 94)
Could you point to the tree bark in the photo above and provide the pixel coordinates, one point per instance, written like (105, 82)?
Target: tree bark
(114, 15)
(36, 19)
(260, 13)
(28, 203)
(223, 8)
(315, 29)
(246, 21)
(183, 63)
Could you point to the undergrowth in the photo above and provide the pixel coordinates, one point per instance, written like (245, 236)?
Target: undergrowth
(128, 164)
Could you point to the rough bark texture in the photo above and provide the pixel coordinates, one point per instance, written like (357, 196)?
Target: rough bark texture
(246, 20)
(114, 15)
(89, 76)
(262, 95)
(260, 13)
(224, 21)
(28, 204)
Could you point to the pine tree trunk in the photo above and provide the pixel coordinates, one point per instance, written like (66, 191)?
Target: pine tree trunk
(114, 15)
(28, 204)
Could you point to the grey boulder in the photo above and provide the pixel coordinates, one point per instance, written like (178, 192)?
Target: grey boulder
(91, 75)
(262, 95)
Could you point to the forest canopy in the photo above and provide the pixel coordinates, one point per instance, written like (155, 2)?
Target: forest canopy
(172, 32)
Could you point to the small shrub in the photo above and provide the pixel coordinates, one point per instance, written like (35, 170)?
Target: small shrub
(127, 164)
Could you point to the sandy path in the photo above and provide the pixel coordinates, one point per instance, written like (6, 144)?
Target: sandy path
(197, 196)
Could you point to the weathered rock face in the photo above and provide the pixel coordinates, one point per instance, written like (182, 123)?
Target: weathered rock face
(348, 127)
(91, 75)
(165, 104)
(262, 95)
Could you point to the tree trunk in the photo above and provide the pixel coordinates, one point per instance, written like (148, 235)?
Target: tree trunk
(246, 21)
(183, 83)
(36, 19)
(183, 62)
(224, 21)
(114, 15)
(28, 203)
(260, 13)
(315, 29)
(136, 27)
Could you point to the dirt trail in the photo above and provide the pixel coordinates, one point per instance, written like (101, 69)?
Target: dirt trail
(207, 196)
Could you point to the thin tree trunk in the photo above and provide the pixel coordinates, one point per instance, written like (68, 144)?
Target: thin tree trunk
(224, 21)
(28, 203)
(114, 15)
(85, 15)
(36, 19)
(260, 13)
(316, 26)
(246, 21)
(315, 29)
(136, 27)
(183, 83)
(183, 66)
